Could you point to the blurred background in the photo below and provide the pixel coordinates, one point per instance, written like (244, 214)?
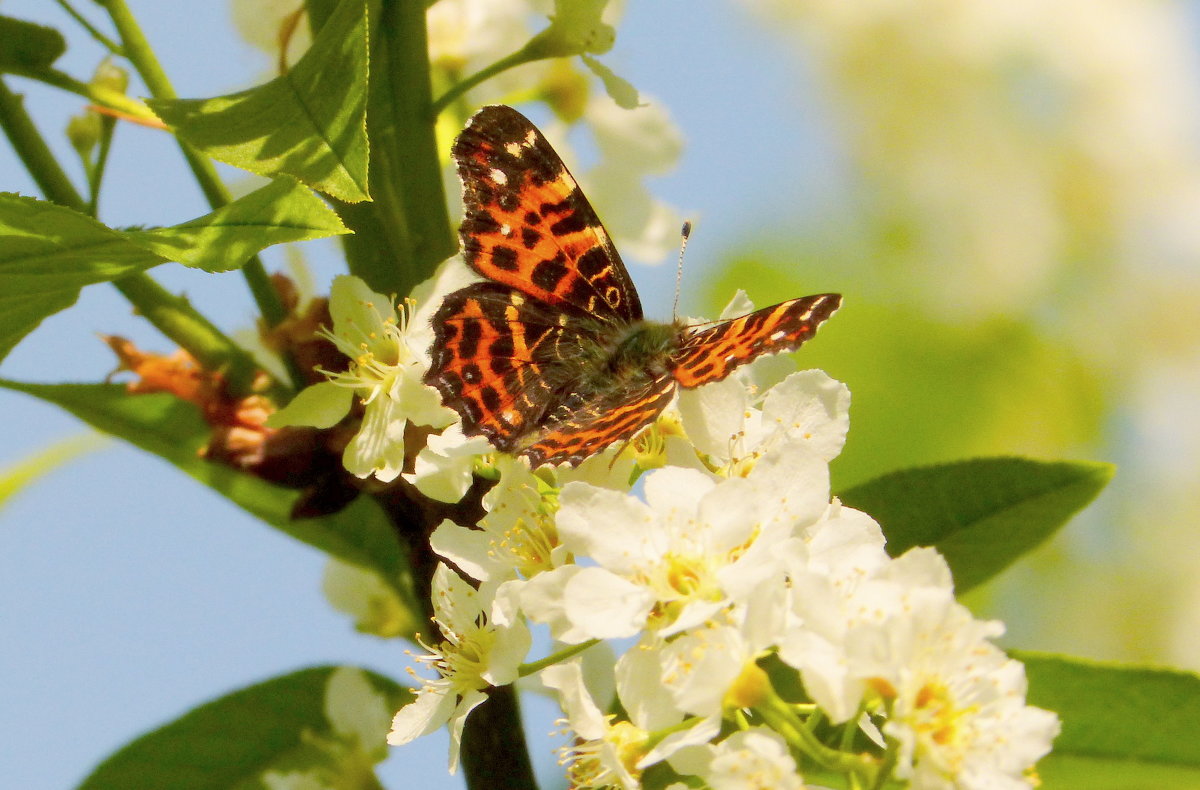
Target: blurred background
(1007, 194)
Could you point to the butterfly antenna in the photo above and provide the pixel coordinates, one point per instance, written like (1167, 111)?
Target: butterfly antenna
(685, 232)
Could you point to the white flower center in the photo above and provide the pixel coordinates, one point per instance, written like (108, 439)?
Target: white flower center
(526, 546)
(600, 763)
(461, 659)
(377, 348)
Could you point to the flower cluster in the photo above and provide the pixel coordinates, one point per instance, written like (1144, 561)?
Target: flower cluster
(771, 634)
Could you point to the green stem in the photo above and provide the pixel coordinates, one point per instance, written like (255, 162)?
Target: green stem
(174, 317)
(96, 171)
(171, 314)
(97, 94)
(92, 30)
(34, 153)
(518, 58)
(141, 55)
(532, 668)
(401, 237)
(888, 765)
(780, 717)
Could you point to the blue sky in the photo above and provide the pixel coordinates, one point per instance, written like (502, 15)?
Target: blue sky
(131, 594)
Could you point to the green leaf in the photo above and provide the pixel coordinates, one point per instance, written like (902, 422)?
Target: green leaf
(981, 514)
(309, 123)
(283, 211)
(25, 46)
(48, 252)
(28, 470)
(280, 725)
(174, 430)
(1125, 727)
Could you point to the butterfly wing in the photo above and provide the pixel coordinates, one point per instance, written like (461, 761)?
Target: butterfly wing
(527, 224)
(583, 426)
(511, 355)
(495, 360)
(711, 354)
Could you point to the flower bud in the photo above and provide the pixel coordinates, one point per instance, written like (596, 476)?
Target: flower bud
(110, 76)
(84, 132)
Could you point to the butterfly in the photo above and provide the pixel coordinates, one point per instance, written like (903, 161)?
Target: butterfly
(549, 357)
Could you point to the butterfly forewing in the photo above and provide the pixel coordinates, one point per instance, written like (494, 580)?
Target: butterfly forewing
(712, 354)
(527, 224)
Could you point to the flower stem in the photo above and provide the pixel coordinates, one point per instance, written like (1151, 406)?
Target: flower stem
(494, 753)
(92, 30)
(518, 58)
(780, 717)
(140, 54)
(98, 94)
(175, 318)
(34, 153)
(95, 173)
(533, 667)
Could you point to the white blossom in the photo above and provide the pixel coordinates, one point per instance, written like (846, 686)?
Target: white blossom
(516, 539)
(608, 752)
(476, 654)
(443, 468)
(753, 759)
(693, 548)
(358, 723)
(363, 594)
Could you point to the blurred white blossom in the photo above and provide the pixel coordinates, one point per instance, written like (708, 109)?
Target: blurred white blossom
(475, 653)
(1016, 138)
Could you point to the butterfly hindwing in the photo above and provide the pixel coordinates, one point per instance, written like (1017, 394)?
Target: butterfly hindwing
(485, 361)
(528, 225)
(711, 354)
(584, 426)
(504, 361)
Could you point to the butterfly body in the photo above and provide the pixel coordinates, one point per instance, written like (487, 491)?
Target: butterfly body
(550, 357)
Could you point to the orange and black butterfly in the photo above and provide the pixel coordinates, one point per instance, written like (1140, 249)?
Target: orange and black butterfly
(550, 357)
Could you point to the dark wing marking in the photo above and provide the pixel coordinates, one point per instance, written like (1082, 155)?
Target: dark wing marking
(588, 425)
(711, 354)
(528, 225)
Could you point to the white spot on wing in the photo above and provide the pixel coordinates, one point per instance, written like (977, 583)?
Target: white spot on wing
(498, 176)
(513, 149)
(506, 229)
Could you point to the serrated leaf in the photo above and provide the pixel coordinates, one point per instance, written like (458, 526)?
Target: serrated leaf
(981, 514)
(25, 46)
(309, 123)
(49, 252)
(174, 430)
(1123, 726)
(283, 211)
(231, 741)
